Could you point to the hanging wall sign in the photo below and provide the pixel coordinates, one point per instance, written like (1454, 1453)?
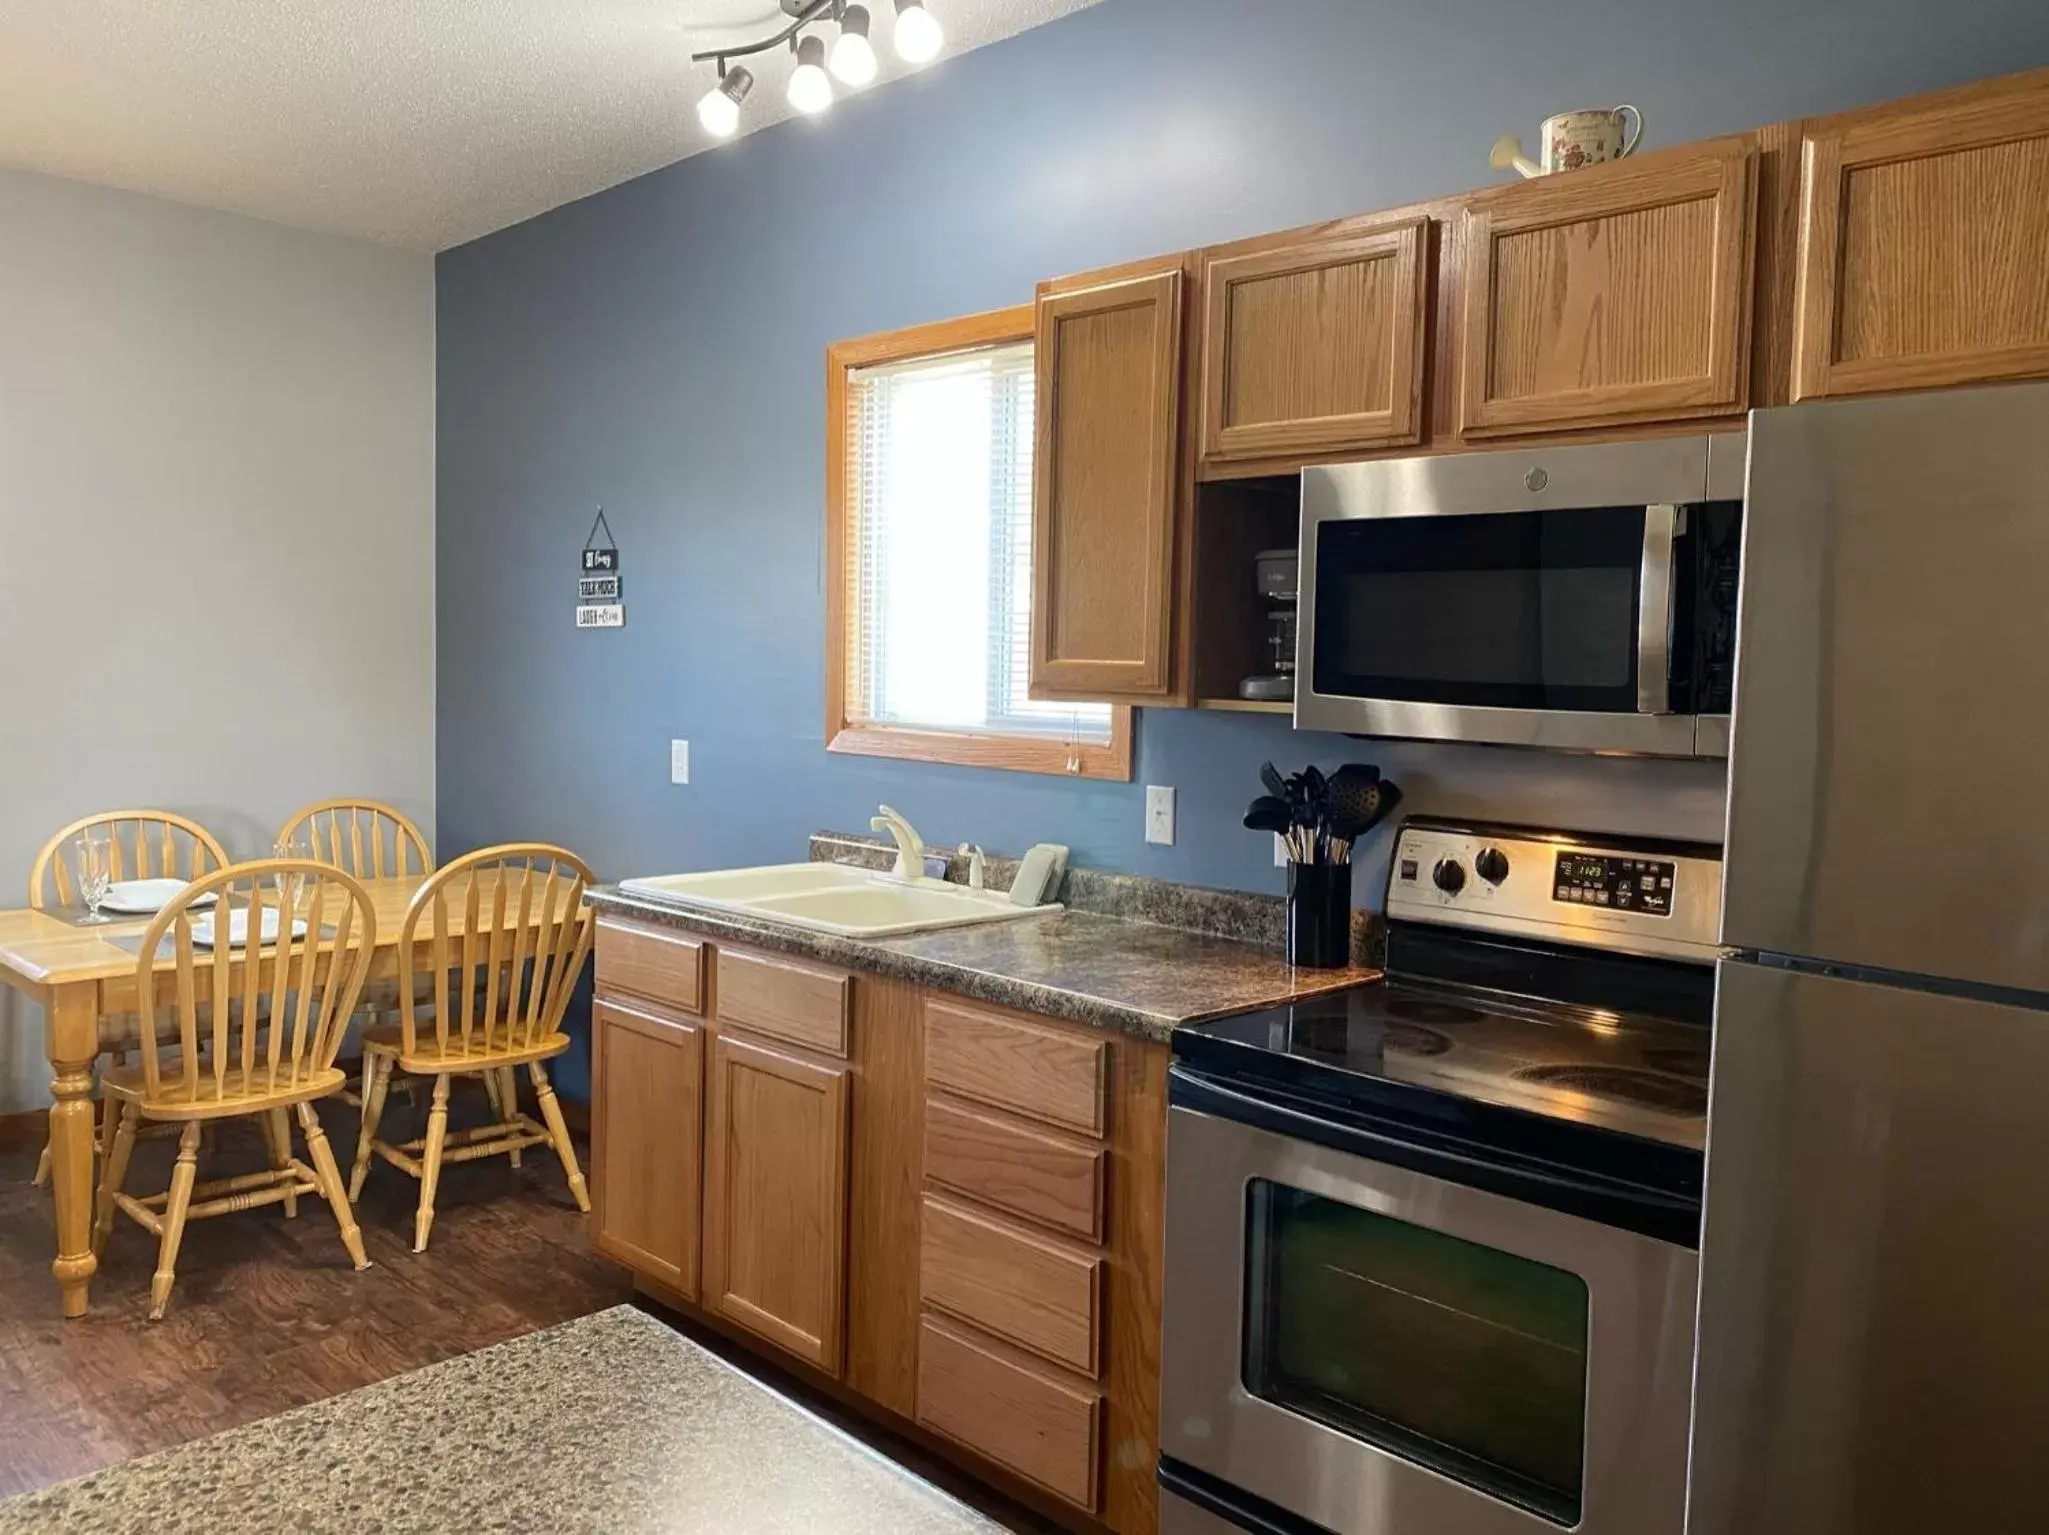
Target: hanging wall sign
(598, 605)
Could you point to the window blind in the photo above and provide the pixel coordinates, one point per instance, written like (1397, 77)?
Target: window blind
(940, 550)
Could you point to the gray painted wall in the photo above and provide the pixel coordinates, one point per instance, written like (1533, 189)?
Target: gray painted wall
(659, 348)
(213, 431)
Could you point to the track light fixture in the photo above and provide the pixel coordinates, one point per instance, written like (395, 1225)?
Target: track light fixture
(719, 108)
(853, 56)
(917, 38)
(810, 91)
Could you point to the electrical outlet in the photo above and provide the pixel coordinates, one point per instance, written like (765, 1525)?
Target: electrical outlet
(1159, 814)
(679, 762)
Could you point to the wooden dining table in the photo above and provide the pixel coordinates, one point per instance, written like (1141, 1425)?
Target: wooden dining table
(83, 978)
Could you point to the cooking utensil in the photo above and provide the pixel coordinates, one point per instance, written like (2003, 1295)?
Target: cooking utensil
(1269, 814)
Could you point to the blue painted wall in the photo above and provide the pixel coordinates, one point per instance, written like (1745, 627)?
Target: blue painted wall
(659, 348)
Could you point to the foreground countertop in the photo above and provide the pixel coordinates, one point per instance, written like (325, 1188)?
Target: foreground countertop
(1137, 977)
(613, 1424)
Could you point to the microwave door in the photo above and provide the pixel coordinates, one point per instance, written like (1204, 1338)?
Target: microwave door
(1532, 627)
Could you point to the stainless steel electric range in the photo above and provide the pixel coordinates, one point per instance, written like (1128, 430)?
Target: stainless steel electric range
(1431, 1243)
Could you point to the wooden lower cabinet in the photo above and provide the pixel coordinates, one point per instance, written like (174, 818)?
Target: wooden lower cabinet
(647, 1134)
(951, 1224)
(775, 1209)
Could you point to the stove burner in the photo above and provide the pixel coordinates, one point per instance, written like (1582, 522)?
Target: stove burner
(1413, 1039)
(1423, 1010)
(1647, 1089)
(1680, 1060)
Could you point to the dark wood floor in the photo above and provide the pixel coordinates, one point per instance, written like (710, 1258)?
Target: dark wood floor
(267, 1314)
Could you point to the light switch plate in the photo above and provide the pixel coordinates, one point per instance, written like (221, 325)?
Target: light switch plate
(679, 762)
(1159, 814)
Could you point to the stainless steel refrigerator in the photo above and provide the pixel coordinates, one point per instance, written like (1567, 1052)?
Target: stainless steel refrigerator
(1874, 1313)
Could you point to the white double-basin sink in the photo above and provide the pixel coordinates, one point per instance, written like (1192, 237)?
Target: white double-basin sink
(833, 898)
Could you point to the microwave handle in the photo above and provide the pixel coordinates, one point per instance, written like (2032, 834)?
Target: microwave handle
(1654, 611)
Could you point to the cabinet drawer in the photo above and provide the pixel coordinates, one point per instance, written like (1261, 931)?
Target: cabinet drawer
(1050, 1075)
(662, 966)
(1029, 1172)
(785, 999)
(1043, 1429)
(1030, 1290)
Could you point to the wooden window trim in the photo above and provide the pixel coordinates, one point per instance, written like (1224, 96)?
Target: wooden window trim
(1023, 754)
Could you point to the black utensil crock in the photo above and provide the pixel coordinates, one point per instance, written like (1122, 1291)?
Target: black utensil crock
(1320, 915)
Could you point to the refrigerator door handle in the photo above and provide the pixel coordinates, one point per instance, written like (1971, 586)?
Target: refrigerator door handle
(1654, 611)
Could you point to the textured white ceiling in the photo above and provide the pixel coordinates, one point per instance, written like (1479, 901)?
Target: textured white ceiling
(421, 123)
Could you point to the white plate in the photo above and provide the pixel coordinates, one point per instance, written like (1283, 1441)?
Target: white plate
(238, 929)
(147, 897)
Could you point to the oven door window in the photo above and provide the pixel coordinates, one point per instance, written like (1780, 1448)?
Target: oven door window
(1517, 610)
(1460, 1357)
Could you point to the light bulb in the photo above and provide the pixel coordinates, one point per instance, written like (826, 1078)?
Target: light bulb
(918, 38)
(810, 89)
(719, 108)
(853, 57)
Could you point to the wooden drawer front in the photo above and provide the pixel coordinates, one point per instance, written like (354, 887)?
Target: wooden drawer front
(1054, 1076)
(1922, 257)
(1003, 1163)
(1043, 1429)
(1030, 1290)
(649, 962)
(1317, 348)
(786, 999)
(1613, 294)
(647, 1102)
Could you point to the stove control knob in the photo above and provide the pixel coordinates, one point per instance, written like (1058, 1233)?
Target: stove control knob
(1491, 865)
(1449, 876)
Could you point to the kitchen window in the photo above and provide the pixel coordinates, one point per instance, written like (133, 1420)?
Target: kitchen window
(929, 438)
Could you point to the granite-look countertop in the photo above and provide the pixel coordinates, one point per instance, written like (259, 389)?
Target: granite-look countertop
(1137, 977)
(612, 1424)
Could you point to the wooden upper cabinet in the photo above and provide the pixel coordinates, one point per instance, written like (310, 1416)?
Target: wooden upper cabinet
(775, 1197)
(1924, 257)
(1108, 443)
(1315, 348)
(1614, 294)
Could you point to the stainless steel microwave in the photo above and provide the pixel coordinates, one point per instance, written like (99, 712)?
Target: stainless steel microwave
(1577, 598)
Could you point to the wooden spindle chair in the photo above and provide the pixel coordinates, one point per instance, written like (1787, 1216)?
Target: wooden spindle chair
(371, 840)
(493, 1001)
(204, 1060)
(362, 837)
(142, 844)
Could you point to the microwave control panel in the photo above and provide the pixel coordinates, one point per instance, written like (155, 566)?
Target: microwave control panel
(1623, 884)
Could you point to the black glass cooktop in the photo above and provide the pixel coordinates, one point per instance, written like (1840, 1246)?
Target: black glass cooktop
(1633, 1074)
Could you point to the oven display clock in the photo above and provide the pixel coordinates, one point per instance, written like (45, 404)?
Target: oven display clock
(1620, 884)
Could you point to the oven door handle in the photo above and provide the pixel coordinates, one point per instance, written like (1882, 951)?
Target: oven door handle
(1667, 1217)
(1654, 610)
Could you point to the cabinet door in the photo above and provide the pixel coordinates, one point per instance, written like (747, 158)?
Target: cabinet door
(647, 1099)
(775, 1220)
(1922, 259)
(1317, 348)
(1614, 294)
(1103, 535)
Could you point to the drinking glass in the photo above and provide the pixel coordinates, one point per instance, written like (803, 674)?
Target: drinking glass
(290, 886)
(92, 859)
